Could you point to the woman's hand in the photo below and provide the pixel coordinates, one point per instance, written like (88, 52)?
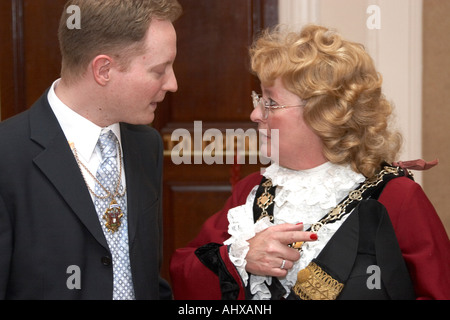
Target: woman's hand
(269, 248)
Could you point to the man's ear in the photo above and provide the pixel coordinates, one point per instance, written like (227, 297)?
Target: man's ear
(101, 69)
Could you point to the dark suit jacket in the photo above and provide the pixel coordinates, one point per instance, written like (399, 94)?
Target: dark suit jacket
(48, 221)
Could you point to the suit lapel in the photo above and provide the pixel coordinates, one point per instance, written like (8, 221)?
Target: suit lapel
(142, 167)
(132, 171)
(57, 163)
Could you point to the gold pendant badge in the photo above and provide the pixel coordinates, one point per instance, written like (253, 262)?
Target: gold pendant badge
(113, 216)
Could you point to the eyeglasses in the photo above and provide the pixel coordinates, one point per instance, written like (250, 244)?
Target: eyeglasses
(265, 106)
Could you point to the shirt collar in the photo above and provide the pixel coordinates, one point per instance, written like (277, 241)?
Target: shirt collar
(79, 131)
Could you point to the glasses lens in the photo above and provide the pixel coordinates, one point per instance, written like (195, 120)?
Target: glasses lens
(258, 102)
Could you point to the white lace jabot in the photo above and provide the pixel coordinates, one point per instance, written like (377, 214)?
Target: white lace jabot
(301, 196)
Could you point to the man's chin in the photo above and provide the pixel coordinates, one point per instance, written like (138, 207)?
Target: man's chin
(143, 120)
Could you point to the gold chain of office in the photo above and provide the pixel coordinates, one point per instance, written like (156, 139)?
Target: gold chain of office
(266, 200)
(113, 213)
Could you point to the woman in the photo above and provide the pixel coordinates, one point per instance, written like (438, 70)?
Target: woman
(331, 219)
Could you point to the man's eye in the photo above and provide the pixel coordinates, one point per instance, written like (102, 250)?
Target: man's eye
(272, 103)
(159, 71)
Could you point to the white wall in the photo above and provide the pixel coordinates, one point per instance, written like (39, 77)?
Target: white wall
(395, 45)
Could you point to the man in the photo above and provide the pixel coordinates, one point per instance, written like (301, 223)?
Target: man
(80, 172)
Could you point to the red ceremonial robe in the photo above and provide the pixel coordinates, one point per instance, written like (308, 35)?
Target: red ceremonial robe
(422, 238)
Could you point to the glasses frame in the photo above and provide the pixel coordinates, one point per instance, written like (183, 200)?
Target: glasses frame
(260, 102)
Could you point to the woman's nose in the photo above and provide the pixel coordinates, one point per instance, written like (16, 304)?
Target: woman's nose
(256, 115)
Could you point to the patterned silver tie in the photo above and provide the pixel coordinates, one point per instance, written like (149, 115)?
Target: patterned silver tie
(108, 176)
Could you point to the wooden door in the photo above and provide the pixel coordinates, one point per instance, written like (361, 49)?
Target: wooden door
(29, 55)
(215, 85)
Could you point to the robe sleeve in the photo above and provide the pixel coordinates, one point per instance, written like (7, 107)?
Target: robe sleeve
(191, 278)
(422, 238)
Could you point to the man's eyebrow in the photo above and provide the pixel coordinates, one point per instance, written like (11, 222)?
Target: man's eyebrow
(163, 64)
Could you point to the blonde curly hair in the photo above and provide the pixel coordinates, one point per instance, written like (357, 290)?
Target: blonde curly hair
(345, 105)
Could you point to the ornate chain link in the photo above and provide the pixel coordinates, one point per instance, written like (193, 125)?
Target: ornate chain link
(265, 200)
(354, 195)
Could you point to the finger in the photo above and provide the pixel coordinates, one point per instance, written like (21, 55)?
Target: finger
(296, 236)
(277, 272)
(285, 227)
(286, 264)
(289, 254)
(280, 267)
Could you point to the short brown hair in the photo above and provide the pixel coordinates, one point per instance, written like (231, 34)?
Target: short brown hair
(345, 105)
(112, 27)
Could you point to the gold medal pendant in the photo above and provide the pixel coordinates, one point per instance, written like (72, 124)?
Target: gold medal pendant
(112, 216)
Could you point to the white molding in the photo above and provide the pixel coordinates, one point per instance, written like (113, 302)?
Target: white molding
(415, 86)
(373, 38)
(297, 13)
(397, 51)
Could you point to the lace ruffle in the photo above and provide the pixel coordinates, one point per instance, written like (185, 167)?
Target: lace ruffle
(301, 196)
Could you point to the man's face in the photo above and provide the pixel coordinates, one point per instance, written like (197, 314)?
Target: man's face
(135, 92)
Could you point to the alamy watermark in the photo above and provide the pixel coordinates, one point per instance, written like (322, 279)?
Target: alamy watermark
(74, 280)
(74, 20)
(229, 146)
(374, 280)
(374, 20)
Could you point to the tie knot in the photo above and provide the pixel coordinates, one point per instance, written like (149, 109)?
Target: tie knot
(107, 144)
